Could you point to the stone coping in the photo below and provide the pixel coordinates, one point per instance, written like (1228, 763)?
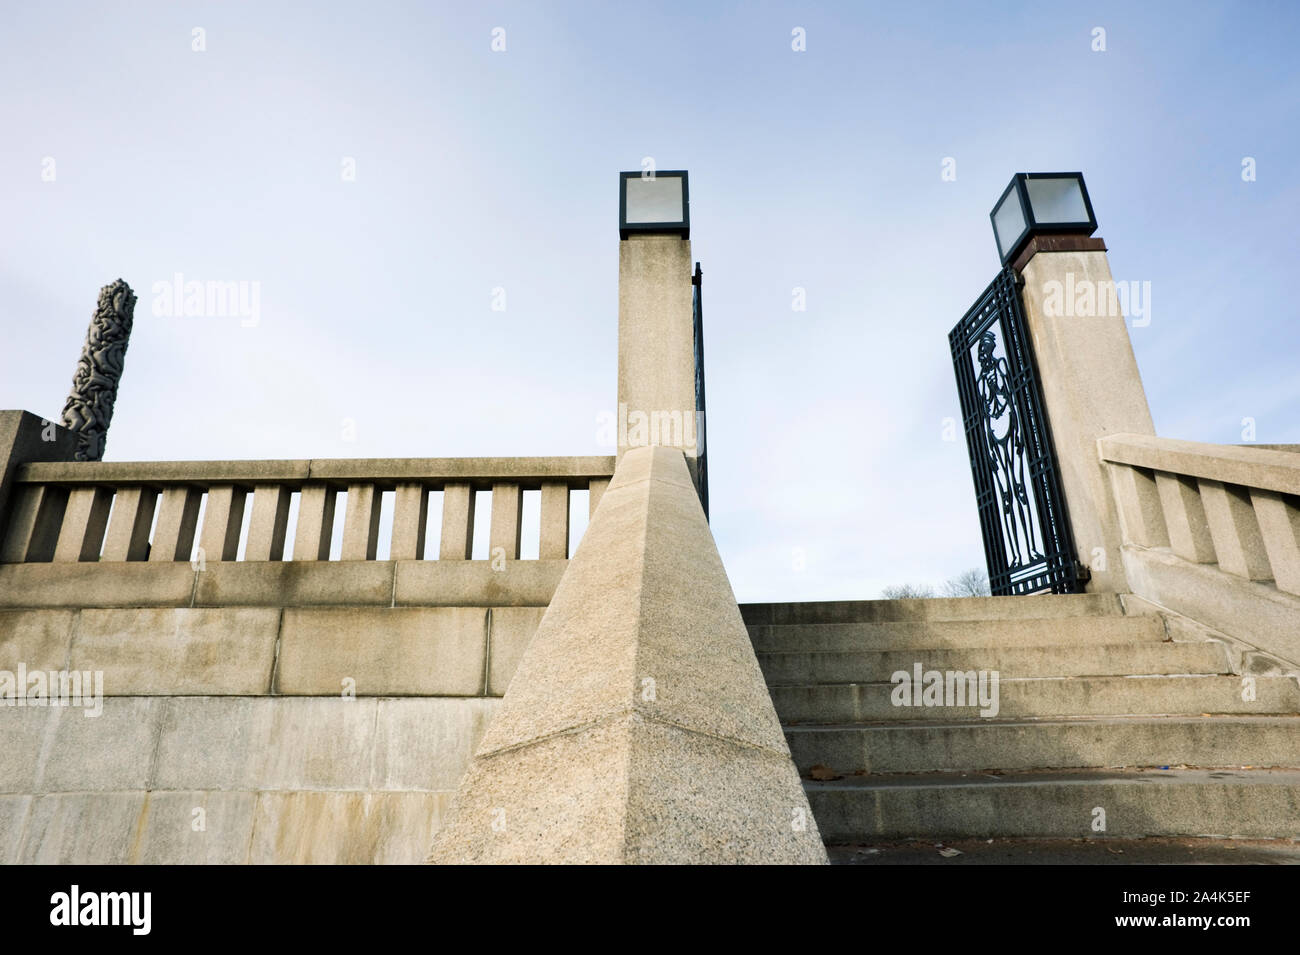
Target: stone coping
(482, 473)
(274, 583)
(1228, 464)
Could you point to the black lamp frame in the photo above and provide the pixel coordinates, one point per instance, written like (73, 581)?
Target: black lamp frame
(682, 228)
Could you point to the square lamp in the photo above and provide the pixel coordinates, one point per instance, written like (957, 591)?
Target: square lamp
(653, 203)
(1041, 203)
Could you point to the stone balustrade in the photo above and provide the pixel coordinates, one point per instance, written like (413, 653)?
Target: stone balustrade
(150, 511)
(308, 709)
(174, 534)
(1212, 531)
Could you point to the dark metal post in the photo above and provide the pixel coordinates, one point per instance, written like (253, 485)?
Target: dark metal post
(702, 463)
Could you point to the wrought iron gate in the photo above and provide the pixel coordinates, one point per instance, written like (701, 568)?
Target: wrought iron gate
(1023, 519)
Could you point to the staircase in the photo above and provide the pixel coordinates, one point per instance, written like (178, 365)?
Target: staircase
(1104, 727)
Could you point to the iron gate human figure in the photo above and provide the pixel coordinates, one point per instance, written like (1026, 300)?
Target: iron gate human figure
(1004, 435)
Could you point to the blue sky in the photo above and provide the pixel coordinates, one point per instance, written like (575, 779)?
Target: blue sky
(478, 170)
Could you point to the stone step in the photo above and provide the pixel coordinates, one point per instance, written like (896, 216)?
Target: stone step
(1167, 850)
(1010, 662)
(1200, 741)
(1068, 696)
(902, 635)
(1191, 802)
(1048, 606)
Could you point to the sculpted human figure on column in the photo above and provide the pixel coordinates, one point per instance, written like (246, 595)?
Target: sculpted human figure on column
(89, 409)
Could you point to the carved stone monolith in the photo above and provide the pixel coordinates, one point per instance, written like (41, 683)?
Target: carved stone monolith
(89, 409)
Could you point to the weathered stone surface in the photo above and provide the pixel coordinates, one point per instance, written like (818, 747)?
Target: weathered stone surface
(1259, 804)
(656, 335)
(34, 521)
(85, 521)
(1042, 607)
(128, 532)
(1251, 467)
(425, 744)
(312, 536)
(1137, 500)
(23, 731)
(322, 779)
(410, 519)
(458, 504)
(269, 524)
(214, 743)
(528, 470)
(361, 522)
(525, 470)
(164, 828)
(595, 491)
(510, 632)
(37, 638)
(1238, 544)
(553, 536)
(270, 583)
(1091, 388)
(694, 797)
(903, 634)
(651, 602)
(194, 828)
(1035, 698)
(223, 520)
(296, 584)
(112, 751)
(13, 813)
(507, 520)
(97, 585)
(1279, 526)
(1258, 614)
(476, 583)
(640, 677)
(562, 799)
(1010, 661)
(163, 652)
(632, 790)
(23, 440)
(1189, 531)
(198, 473)
(425, 651)
(976, 745)
(325, 743)
(344, 828)
(178, 518)
(73, 828)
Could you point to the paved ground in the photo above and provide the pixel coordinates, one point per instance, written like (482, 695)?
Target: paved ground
(1072, 852)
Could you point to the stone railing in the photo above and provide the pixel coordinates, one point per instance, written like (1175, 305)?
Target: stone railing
(316, 710)
(150, 511)
(1188, 509)
(175, 534)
